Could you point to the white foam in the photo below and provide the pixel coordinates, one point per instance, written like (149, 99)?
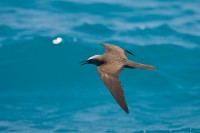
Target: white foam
(58, 40)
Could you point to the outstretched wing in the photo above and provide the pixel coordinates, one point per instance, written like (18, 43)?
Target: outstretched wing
(115, 50)
(109, 74)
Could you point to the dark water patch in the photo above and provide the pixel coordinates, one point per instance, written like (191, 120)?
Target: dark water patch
(3, 128)
(183, 130)
(7, 31)
(63, 130)
(182, 97)
(93, 8)
(189, 38)
(149, 17)
(189, 12)
(187, 130)
(25, 4)
(162, 30)
(110, 131)
(43, 127)
(94, 29)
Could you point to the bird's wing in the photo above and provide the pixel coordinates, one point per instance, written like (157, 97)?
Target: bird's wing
(109, 74)
(115, 50)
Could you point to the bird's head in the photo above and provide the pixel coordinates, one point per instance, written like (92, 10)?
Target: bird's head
(96, 60)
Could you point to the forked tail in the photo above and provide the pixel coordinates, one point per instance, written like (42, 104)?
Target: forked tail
(131, 64)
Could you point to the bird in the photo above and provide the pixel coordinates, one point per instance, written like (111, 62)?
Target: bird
(109, 65)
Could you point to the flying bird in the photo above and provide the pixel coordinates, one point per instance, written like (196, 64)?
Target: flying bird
(110, 64)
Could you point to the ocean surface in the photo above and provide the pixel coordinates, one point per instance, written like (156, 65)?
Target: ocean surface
(43, 89)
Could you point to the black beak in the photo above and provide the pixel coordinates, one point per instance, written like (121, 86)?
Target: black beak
(84, 62)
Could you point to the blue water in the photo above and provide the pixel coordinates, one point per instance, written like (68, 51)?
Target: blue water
(43, 88)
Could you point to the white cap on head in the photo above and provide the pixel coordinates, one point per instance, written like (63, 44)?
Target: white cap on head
(93, 57)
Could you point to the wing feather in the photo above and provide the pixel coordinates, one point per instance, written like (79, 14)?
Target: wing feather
(117, 51)
(110, 78)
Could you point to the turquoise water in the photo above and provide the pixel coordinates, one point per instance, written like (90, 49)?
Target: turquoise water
(43, 88)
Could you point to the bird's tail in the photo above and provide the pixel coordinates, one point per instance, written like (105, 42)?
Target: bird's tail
(131, 64)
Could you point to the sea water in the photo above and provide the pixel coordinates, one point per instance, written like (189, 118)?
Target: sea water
(44, 89)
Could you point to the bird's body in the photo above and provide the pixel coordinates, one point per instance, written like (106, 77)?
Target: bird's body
(110, 64)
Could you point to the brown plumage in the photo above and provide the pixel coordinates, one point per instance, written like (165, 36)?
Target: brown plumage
(110, 64)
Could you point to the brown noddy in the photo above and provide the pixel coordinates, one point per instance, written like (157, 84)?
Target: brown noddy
(110, 64)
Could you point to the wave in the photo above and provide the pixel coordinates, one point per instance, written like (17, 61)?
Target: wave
(43, 88)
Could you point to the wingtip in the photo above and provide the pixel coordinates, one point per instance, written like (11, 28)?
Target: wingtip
(127, 111)
(105, 44)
